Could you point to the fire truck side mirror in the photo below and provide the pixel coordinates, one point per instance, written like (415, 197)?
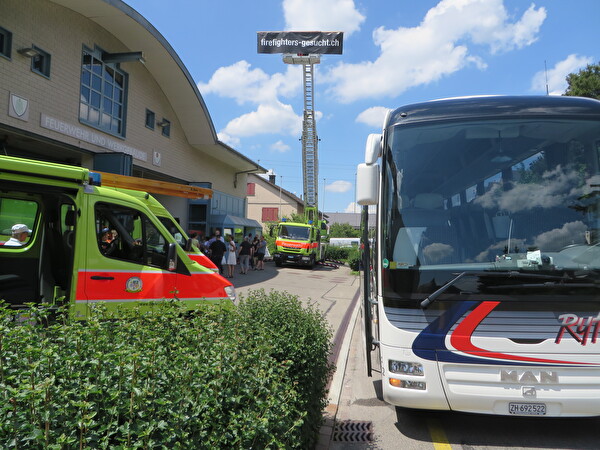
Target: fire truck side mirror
(172, 257)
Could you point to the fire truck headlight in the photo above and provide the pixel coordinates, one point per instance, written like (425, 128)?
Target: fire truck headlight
(230, 291)
(406, 368)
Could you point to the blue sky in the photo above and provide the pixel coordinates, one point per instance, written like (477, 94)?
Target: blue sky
(395, 52)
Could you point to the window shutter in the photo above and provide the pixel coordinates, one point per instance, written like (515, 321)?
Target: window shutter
(269, 214)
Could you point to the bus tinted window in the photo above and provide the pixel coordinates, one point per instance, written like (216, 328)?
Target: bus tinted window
(510, 194)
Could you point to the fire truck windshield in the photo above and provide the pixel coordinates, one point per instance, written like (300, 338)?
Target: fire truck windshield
(294, 232)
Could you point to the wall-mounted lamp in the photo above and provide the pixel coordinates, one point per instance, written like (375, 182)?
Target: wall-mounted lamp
(29, 52)
(163, 123)
(123, 57)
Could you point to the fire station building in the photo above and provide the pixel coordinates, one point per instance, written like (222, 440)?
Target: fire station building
(92, 83)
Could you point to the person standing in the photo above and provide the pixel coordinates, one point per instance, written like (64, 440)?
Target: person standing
(217, 250)
(251, 250)
(195, 241)
(260, 253)
(216, 236)
(230, 258)
(253, 253)
(245, 253)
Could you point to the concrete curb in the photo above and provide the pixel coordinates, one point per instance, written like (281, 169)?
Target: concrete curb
(337, 381)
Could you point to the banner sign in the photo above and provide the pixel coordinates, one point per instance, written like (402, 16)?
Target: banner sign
(302, 42)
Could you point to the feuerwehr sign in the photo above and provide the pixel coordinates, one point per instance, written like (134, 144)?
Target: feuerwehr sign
(303, 42)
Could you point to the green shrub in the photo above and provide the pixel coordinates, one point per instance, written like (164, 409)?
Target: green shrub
(337, 253)
(301, 337)
(349, 255)
(354, 259)
(155, 379)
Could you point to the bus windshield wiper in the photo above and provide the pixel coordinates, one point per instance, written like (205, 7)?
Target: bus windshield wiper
(431, 298)
(550, 281)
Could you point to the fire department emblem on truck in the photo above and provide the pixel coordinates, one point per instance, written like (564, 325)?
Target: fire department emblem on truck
(134, 284)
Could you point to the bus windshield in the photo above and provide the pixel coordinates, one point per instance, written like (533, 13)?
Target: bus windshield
(491, 197)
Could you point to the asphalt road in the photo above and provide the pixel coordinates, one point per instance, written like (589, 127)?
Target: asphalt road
(331, 289)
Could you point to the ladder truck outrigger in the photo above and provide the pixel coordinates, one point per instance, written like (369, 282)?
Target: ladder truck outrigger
(300, 242)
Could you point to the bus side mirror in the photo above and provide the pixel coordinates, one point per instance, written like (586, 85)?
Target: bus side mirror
(367, 184)
(373, 148)
(172, 257)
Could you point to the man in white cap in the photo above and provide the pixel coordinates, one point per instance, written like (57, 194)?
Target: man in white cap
(20, 233)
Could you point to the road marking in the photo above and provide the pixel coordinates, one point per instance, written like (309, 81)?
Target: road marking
(438, 437)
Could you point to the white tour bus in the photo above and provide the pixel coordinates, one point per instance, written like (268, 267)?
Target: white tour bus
(481, 290)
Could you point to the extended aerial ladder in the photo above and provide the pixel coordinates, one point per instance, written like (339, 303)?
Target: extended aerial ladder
(300, 242)
(310, 139)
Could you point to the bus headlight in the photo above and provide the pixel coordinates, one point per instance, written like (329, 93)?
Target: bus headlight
(230, 291)
(406, 368)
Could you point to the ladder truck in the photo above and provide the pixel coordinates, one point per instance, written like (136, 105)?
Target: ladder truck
(300, 242)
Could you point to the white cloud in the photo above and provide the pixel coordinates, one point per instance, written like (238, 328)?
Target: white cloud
(339, 186)
(353, 207)
(232, 141)
(332, 15)
(373, 116)
(267, 118)
(437, 47)
(246, 85)
(280, 147)
(557, 76)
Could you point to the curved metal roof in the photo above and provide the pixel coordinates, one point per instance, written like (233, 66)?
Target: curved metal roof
(161, 60)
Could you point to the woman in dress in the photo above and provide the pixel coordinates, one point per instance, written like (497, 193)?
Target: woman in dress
(230, 256)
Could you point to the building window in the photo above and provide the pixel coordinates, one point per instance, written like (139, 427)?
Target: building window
(103, 93)
(166, 127)
(150, 119)
(5, 43)
(40, 63)
(251, 189)
(270, 214)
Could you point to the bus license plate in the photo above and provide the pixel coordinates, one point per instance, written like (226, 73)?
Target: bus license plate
(527, 409)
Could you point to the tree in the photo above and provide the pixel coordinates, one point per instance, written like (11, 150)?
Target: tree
(585, 83)
(342, 230)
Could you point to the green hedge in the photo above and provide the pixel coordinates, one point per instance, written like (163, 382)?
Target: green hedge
(349, 255)
(251, 377)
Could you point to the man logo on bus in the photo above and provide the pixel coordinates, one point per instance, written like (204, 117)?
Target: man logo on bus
(582, 329)
(528, 377)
